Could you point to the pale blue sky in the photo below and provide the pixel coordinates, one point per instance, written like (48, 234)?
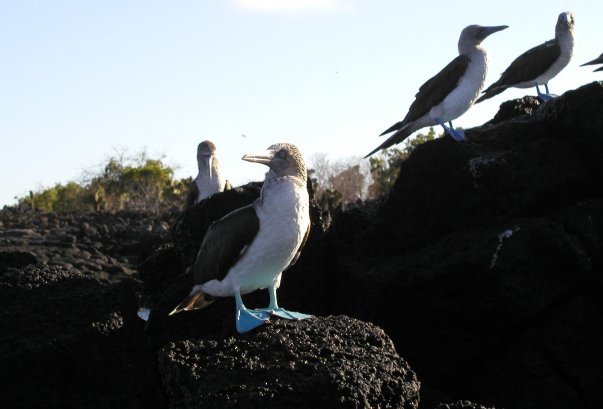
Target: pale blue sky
(79, 79)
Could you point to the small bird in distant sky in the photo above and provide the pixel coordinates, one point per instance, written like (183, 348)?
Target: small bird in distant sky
(540, 64)
(249, 248)
(450, 93)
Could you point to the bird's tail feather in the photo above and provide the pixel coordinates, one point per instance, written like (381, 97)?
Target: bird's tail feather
(489, 93)
(392, 128)
(194, 301)
(397, 137)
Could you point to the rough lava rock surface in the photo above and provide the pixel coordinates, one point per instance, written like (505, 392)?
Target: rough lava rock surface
(485, 264)
(333, 362)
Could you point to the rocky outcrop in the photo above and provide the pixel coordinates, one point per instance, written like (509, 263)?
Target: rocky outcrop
(69, 341)
(333, 362)
(485, 264)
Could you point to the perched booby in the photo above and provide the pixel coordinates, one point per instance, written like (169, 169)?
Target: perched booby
(598, 60)
(209, 180)
(540, 64)
(249, 248)
(450, 93)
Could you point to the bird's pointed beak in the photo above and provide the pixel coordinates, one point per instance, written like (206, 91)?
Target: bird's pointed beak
(207, 159)
(260, 157)
(486, 31)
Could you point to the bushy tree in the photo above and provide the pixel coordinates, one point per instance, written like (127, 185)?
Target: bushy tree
(385, 166)
(338, 183)
(138, 183)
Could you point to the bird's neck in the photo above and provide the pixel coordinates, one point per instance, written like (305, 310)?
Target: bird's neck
(565, 38)
(473, 51)
(274, 184)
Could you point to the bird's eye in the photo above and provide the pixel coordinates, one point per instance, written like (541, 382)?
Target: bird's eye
(282, 154)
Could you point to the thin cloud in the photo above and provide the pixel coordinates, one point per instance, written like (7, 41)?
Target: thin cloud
(292, 6)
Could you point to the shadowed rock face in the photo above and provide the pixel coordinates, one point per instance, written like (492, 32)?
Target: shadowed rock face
(333, 362)
(485, 264)
(69, 341)
(465, 404)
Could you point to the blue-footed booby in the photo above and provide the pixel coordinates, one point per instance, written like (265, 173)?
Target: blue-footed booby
(450, 93)
(209, 180)
(540, 64)
(598, 60)
(249, 248)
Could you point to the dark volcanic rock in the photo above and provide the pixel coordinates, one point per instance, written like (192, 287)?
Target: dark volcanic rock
(514, 108)
(465, 404)
(485, 263)
(16, 259)
(68, 341)
(333, 362)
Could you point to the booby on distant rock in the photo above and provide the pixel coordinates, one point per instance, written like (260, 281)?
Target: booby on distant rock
(450, 93)
(209, 180)
(540, 64)
(249, 248)
(598, 60)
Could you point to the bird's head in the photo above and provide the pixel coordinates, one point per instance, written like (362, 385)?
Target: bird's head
(205, 154)
(205, 148)
(283, 159)
(565, 22)
(474, 34)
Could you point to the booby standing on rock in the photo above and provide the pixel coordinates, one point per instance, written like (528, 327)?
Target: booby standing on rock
(249, 248)
(540, 64)
(598, 60)
(450, 93)
(209, 180)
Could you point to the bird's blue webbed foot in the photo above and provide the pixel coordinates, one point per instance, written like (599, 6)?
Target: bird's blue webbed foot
(274, 309)
(281, 312)
(246, 320)
(547, 96)
(457, 135)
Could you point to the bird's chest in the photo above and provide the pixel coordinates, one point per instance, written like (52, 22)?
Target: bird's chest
(284, 218)
(206, 185)
(465, 93)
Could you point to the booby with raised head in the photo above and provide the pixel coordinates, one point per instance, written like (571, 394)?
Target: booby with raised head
(450, 93)
(209, 180)
(538, 65)
(249, 248)
(598, 60)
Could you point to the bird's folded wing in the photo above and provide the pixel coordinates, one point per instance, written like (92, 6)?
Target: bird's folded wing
(191, 195)
(301, 247)
(224, 244)
(437, 88)
(531, 64)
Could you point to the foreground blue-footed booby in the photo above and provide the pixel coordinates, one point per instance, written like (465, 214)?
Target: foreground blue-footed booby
(598, 60)
(209, 180)
(249, 248)
(450, 93)
(540, 64)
